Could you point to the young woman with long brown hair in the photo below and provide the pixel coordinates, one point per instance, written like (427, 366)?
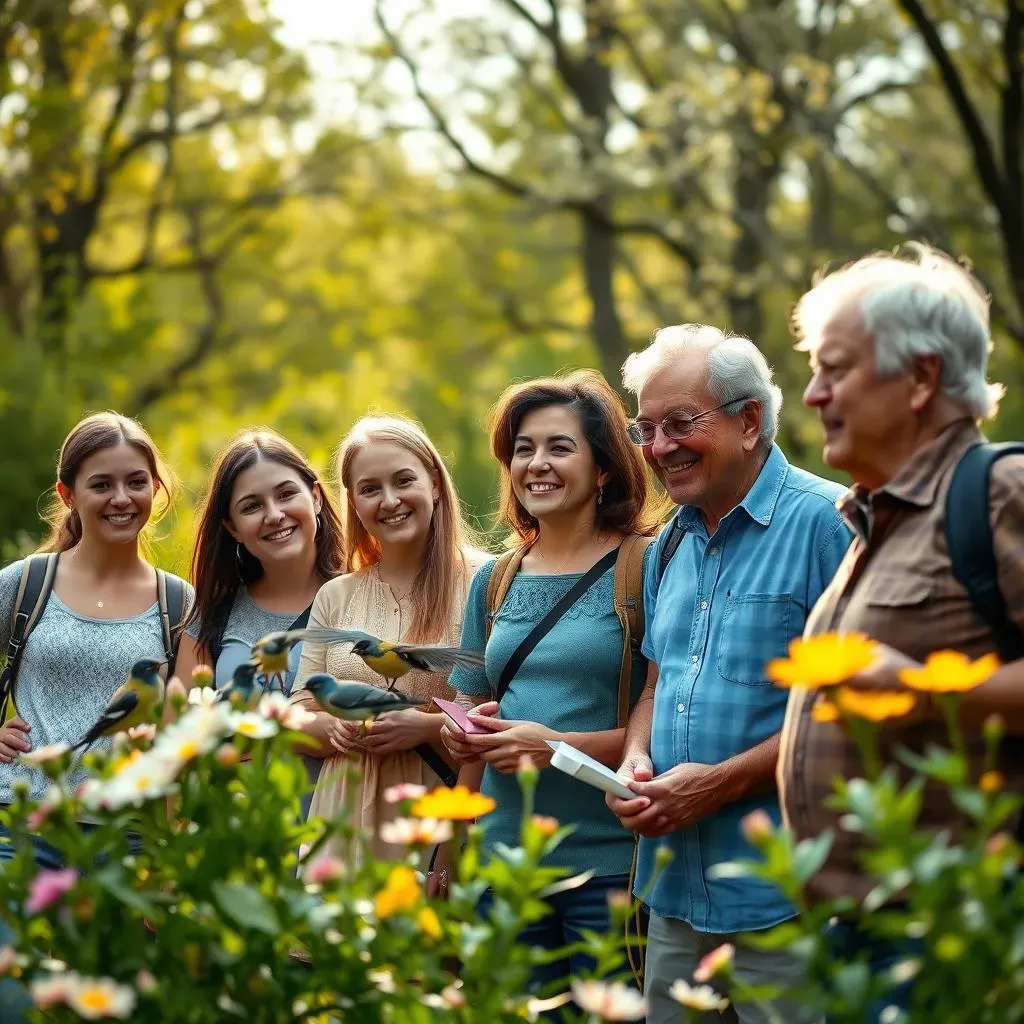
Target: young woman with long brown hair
(269, 537)
(410, 557)
(575, 493)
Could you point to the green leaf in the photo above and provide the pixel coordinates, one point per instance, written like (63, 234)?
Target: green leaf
(111, 879)
(780, 937)
(810, 854)
(246, 906)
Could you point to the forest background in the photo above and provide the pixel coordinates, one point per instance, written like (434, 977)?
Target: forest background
(222, 213)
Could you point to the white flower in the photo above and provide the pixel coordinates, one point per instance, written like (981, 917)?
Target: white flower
(44, 754)
(383, 979)
(404, 791)
(609, 1000)
(52, 990)
(186, 740)
(252, 725)
(416, 831)
(278, 708)
(204, 696)
(93, 998)
(145, 778)
(697, 997)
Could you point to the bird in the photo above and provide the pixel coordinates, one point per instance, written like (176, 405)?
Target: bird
(387, 658)
(241, 688)
(356, 702)
(131, 703)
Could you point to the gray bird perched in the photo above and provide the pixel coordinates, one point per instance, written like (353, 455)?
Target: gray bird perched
(386, 657)
(241, 688)
(356, 702)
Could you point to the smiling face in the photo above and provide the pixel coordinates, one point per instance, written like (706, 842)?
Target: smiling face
(393, 493)
(553, 471)
(861, 412)
(710, 468)
(112, 493)
(272, 513)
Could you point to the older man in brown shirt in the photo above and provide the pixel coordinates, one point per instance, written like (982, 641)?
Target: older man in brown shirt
(899, 352)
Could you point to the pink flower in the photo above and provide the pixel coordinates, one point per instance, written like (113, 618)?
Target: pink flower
(47, 887)
(718, 961)
(324, 869)
(404, 791)
(757, 825)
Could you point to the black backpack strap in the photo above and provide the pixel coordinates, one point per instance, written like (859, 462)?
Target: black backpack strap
(34, 588)
(970, 543)
(676, 533)
(170, 595)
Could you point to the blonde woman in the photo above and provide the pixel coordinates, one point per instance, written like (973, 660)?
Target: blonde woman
(409, 560)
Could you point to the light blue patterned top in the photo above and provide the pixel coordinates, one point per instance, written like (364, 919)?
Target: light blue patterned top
(70, 666)
(726, 605)
(247, 623)
(569, 682)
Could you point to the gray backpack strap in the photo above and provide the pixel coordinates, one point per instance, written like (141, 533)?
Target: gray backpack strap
(34, 588)
(170, 595)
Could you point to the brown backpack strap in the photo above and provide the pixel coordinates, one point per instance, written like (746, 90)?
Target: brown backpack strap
(629, 606)
(504, 572)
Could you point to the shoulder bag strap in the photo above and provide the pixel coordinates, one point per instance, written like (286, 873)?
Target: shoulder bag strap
(572, 595)
(504, 571)
(676, 533)
(629, 606)
(170, 596)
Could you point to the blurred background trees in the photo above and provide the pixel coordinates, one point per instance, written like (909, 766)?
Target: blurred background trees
(192, 233)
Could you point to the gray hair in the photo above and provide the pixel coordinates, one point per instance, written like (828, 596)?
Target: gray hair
(737, 370)
(925, 305)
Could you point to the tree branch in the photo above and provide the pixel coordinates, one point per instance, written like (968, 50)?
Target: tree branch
(1012, 112)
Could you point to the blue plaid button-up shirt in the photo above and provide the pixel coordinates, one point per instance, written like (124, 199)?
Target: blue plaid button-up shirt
(725, 606)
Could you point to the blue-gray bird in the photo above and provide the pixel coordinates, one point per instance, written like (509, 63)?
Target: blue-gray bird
(386, 657)
(356, 702)
(240, 689)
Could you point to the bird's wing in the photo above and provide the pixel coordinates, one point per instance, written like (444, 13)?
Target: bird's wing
(372, 698)
(440, 659)
(121, 705)
(326, 635)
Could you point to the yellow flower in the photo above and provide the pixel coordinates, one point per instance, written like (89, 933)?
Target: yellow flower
(825, 711)
(950, 672)
(823, 660)
(400, 892)
(991, 782)
(875, 705)
(429, 923)
(458, 804)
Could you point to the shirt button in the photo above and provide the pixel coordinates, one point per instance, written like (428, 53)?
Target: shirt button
(694, 659)
(703, 605)
(680, 707)
(713, 551)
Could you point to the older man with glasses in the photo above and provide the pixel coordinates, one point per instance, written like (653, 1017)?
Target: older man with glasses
(751, 548)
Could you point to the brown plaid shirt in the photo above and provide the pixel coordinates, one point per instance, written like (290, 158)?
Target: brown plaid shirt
(897, 586)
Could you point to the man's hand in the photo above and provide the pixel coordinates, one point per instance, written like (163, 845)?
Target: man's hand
(676, 799)
(14, 739)
(394, 731)
(637, 767)
(457, 743)
(510, 740)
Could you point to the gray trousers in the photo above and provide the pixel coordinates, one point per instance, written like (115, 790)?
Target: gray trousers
(674, 950)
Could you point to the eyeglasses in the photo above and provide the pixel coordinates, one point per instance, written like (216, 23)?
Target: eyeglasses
(676, 425)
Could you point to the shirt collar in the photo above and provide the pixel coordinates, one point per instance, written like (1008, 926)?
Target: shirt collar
(759, 502)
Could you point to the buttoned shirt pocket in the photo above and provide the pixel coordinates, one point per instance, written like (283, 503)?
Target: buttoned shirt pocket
(755, 629)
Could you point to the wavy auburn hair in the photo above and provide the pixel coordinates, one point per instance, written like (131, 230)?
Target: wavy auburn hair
(91, 435)
(218, 570)
(628, 503)
(445, 565)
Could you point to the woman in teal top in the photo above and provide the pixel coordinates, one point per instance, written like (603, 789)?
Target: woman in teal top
(573, 489)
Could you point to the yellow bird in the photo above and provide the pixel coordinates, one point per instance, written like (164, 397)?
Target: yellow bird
(386, 657)
(131, 703)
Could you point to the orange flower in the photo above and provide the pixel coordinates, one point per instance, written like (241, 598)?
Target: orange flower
(875, 705)
(458, 804)
(544, 824)
(825, 711)
(823, 660)
(429, 923)
(400, 892)
(950, 672)
(991, 782)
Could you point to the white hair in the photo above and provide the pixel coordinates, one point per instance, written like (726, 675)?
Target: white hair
(926, 305)
(737, 371)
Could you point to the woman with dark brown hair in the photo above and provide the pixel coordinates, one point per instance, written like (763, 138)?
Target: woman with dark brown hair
(269, 537)
(576, 494)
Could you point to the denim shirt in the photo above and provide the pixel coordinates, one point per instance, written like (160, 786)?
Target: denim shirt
(725, 606)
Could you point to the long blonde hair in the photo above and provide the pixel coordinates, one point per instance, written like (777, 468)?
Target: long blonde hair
(445, 567)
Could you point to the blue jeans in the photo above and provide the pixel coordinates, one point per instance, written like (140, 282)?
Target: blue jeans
(848, 942)
(572, 913)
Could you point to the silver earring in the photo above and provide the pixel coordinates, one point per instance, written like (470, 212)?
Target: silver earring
(600, 495)
(239, 564)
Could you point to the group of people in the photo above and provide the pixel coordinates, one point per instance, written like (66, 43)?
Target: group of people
(654, 662)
